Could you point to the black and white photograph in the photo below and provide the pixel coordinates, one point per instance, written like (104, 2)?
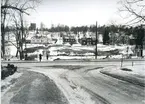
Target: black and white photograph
(72, 51)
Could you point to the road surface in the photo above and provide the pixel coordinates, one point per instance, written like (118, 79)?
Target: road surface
(82, 83)
(34, 88)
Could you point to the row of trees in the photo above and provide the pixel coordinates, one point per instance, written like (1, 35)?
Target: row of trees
(59, 28)
(92, 28)
(137, 32)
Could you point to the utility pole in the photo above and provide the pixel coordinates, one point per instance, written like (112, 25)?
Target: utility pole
(96, 53)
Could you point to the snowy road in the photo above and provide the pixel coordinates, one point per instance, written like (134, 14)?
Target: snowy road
(82, 82)
(84, 87)
(76, 62)
(33, 88)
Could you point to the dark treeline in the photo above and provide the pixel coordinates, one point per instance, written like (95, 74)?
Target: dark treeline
(59, 28)
(92, 28)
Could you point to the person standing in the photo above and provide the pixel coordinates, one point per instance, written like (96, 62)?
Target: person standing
(40, 57)
(47, 56)
(26, 56)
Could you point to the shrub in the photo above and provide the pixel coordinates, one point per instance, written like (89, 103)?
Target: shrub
(10, 69)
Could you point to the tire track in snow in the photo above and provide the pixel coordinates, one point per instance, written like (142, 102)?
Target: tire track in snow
(98, 97)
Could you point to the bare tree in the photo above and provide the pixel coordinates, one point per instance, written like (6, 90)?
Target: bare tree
(12, 7)
(18, 34)
(21, 32)
(134, 11)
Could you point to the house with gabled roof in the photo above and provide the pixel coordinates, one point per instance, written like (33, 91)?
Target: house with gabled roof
(40, 40)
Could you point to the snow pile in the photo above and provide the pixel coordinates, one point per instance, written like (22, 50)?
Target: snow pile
(34, 45)
(106, 48)
(135, 75)
(124, 49)
(70, 57)
(66, 51)
(77, 50)
(76, 45)
(67, 44)
(8, 82)
(137, 69)
(116, 56)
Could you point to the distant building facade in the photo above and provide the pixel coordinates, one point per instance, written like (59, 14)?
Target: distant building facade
(69, 39)
(88, 41)
(39, 40)
(32, 26)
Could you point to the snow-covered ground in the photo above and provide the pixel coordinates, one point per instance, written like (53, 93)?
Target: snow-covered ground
(78, 51)
(137, 69)
(8, 82)
(73, 83)
(135, 75)
(87, 52)
(74, 93)
(122, 49)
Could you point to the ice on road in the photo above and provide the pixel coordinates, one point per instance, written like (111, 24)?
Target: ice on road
(88, 86)
(34, 88)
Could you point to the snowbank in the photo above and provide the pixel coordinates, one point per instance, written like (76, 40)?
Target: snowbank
(66, 51)
(70, 57)
(8, 82)
(135, 76)
(76, 45)
(124, 49)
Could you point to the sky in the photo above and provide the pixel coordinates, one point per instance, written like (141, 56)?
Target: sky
(74, 12)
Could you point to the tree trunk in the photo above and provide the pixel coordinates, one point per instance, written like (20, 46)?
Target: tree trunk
(17, 53)
(21, 55)
(141, 50)
(3, 40)
(3, 32)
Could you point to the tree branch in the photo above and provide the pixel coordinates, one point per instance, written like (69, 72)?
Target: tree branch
(15, 8)
(12, 43)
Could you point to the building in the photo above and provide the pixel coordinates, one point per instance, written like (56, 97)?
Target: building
(88, 41)
(69, 39)
(32, 26)
(39, 40)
